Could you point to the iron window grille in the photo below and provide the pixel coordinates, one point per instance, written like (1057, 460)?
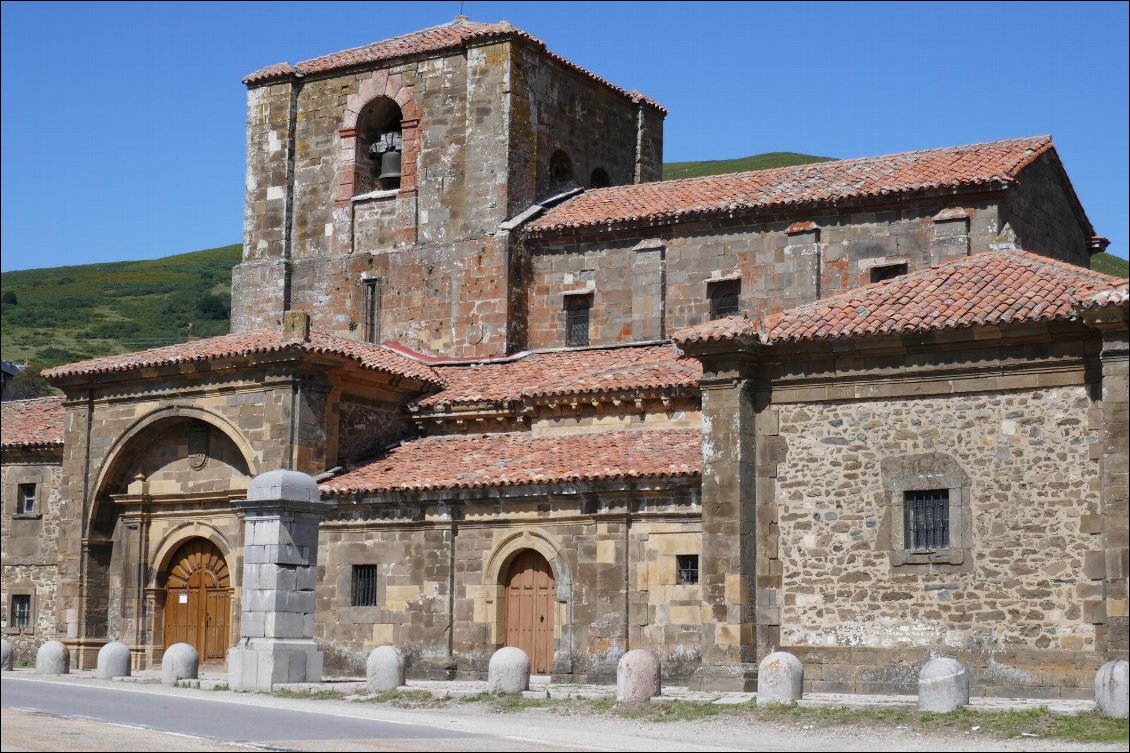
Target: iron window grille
(686, 565)
(577, 308)
(927, 516)
(21, 610)
(364, 592)
(724, 298)
(26, 497)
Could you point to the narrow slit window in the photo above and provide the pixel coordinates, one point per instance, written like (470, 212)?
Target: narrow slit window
(725, 298)
(364, 586)
(927, 519)
(577, 310)
(686, 567)
(21, 610)
(373, 311)
(888, 272)
(26, 501)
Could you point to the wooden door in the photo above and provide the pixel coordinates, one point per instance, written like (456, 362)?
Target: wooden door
(198, 600)
(529, 609)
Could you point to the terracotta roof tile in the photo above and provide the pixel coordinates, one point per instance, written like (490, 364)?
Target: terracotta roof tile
(997, 287)
(375, 357)
(434, 39)
(469, 461)
(36, 423)
(563, 373)
(823, 182)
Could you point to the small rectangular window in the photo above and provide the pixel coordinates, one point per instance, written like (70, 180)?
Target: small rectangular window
(364, 586)
(888, 271)
(725, 298)
(927, 519)
(21, 610)
(373, 310)
(577, 308)
(686, 566)
(25, 499)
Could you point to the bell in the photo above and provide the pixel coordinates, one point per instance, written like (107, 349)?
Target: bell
(390, 166)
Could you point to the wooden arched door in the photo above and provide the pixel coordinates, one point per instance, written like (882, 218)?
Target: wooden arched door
(529, 609)
(198, 600)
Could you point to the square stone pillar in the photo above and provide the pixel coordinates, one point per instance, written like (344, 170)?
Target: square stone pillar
(280, 556)
(727, 573)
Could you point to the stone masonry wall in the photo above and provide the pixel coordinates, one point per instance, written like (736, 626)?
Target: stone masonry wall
(778, 269)
(1015, 609)
(441, 572)
(1041, 211)
(29, 556)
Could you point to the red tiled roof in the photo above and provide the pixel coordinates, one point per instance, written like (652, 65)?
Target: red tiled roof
(468, 461)
(997, 287)
(375, 357)
(563, 373)
(434, 39)
(32, 423)
(954, 167)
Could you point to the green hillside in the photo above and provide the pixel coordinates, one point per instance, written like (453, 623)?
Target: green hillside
(1109, 264)
(672, 170)
(61, 314)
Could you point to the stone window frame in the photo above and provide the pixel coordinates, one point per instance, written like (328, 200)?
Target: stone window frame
(22, 498)
(571, 299)
(10, 610)
(928, 471)
(682, 564)
(717, 288)
(353, 584)
(37, 476)
(360, 615)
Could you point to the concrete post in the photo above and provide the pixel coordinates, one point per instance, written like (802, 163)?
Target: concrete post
(280, 556)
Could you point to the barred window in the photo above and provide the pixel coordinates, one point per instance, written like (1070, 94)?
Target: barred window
(21, 610)
(724, 298)
(364, 586)
(577, 308)
(927, 519)
(25, 499)
(686, 566)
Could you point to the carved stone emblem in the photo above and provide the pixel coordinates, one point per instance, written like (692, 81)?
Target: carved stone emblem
(197, 448)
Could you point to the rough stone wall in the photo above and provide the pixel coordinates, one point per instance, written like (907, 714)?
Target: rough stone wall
(1014, 607)
(778, 269)
(442, 566)
(1042, 212)
(28, 554)
(365, 426)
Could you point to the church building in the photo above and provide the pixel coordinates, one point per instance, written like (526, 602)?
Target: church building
(868, 411)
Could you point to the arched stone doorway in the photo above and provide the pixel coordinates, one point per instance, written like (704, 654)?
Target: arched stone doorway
(198, 598)
(530, 602)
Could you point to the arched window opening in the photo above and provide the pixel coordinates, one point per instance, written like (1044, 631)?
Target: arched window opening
(600, 179)
(379, 146)
(560, 172)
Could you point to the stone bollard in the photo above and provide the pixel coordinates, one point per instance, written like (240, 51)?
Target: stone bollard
(1111, 685)
(508, 672)
(780, 679)
(638, 677)
(53, 658)
(943, 686)
(181, 662)
(5, 656)
(384, 669)
(113, 661)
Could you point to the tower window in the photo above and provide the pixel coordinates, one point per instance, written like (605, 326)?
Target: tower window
(364, 591)
(599, 178)
(560, 171)
(686, 569)
(888, 272)
(372, 306)
(577, 308)
(26, 502)
(724, 298)
(927, 519)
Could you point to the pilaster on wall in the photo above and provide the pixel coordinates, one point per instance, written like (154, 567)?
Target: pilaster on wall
(727, 569)
(1110, 567)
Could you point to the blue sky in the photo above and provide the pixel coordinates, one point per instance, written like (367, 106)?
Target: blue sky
(123, 124)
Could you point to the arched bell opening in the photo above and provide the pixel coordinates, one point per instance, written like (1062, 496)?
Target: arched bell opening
(379, 146)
